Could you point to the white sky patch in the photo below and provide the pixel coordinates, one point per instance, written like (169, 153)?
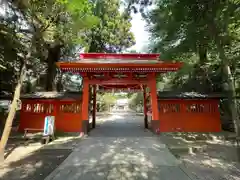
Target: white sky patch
(3, 7)
(140, 32)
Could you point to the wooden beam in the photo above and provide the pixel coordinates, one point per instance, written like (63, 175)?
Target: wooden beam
(116, 81)
(163, 66)
(85, 104)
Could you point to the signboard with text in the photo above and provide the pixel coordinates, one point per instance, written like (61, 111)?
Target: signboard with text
(49, 125)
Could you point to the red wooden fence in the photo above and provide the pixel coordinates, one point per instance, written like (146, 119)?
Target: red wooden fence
(186, 115)
(67, 114)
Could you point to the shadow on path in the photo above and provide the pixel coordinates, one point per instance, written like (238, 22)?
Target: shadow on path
(36, 165)
(120, 148)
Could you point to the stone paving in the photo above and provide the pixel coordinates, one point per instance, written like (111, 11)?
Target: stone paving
(120, 148)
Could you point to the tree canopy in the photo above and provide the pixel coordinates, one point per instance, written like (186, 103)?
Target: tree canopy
(205, 36)
(112, 34)
(63, 28)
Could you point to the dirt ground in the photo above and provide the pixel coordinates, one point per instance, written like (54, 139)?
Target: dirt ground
(35, 166)
(206, 156)
(30, 160)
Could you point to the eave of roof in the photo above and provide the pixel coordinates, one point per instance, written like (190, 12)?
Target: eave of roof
(122, 67)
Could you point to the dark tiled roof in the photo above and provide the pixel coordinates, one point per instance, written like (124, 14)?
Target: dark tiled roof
(188, 95)
(49, 95)
(52, 95)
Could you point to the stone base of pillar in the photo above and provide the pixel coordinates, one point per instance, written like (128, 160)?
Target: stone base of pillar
(85, 126)
(155, 125)
(146, 121)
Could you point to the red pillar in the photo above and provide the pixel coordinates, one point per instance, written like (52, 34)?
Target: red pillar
(94, 106)
(90, 104)
(145, 107)
(155, 124)
(85, 104)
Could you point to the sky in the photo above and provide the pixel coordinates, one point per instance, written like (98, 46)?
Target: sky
(140, 33)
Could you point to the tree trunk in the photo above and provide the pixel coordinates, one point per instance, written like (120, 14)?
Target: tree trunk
(228, 78)
(11, 114)
(227, 74)
(96, 44)
(203, 73)
(53, 57)
(59, 85)
(202, 52)
(198, 79)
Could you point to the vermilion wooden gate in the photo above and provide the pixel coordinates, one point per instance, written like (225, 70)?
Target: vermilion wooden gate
(131, 72)
(114, 71)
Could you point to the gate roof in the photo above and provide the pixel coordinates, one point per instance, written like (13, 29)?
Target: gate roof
(107, 62)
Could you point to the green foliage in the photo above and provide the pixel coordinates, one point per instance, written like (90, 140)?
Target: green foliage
(205, 36)
(186, 31)
(11, 47)
(77, 18)
(63, 20)
(108, 98)
(136, 100)
(51, 23)
(105, 100)
(122, 95)
(69, 24)
(112, 33)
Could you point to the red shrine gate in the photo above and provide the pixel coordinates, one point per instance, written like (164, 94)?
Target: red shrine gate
(131, 72)
(125, 71)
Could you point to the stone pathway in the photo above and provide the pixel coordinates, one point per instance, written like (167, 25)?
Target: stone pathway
(119, 148)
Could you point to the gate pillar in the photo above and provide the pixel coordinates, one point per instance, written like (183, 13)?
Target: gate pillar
(94, 106)
(155, 123)
(85, 104)
(145, 107)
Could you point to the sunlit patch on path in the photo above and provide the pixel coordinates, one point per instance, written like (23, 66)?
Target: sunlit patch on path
(120, 148)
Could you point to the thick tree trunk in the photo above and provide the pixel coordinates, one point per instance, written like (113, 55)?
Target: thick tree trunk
(227, 74)
(11, 114)
(198, 75)
(203, 60)
(202, 51)
(59, 85)
(53, 57)
(228, 78)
